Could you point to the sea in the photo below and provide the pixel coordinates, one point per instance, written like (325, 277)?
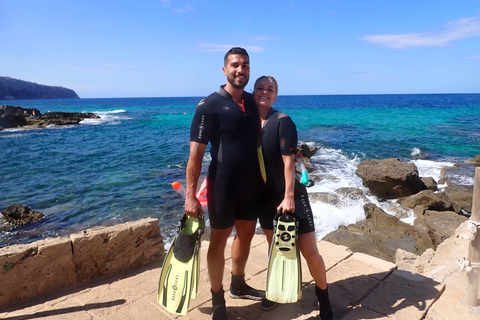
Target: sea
(120, 167)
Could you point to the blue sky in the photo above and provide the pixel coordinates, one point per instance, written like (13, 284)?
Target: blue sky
(168, 48)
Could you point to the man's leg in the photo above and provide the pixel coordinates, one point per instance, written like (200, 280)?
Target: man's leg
(216, 266)
(216, 257)
(245, 230)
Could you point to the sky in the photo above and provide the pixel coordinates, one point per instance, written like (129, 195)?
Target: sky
(175, 48)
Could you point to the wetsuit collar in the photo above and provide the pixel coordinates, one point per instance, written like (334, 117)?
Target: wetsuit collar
(221, 91)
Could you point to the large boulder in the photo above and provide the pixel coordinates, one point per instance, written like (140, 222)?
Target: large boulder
(426, 199)
(390, 178)
(461, 199)
(440, 225)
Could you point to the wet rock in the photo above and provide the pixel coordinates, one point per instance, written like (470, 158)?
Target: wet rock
(19, 215)
(14, 117)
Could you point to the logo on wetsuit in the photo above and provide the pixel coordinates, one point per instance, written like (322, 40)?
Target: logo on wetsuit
(201, 127)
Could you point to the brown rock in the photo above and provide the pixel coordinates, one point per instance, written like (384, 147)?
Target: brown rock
(440, 225)
(380, 235)
(475, 161)
(390, 178)
(428, 200)
(19, 215)
(461, 199)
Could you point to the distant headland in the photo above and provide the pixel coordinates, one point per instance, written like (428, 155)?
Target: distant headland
(14, 89)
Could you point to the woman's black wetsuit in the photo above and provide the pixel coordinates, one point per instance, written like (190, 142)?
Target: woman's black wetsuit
(279, 137)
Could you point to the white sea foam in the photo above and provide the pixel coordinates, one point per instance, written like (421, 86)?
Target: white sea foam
(338, 171)
(107, 117)
(415, 152)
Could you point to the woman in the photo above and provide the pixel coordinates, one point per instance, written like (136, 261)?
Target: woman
(283, 191)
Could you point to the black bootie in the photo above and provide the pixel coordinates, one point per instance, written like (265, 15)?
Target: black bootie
(239, 289)
(219, 311)
(326, 312)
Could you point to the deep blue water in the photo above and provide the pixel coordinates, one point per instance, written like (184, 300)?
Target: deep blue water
(120, 168)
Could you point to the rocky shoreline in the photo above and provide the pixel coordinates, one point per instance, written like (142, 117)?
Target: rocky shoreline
(437, 213)
(18, 117)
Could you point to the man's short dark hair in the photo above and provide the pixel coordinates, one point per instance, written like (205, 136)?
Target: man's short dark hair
(234, 50)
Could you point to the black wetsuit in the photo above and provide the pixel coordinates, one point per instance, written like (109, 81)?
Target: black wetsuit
(279, 137)
(233, 176)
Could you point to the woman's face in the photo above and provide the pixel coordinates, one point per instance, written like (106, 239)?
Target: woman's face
(264, 93)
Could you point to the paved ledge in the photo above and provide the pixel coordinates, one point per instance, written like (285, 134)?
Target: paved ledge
(361, 287)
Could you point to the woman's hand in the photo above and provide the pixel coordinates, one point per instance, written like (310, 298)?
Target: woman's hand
(287, 205)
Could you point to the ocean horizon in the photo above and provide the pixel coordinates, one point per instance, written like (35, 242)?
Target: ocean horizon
(120, 167)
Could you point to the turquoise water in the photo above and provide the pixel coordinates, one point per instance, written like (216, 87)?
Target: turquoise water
(120, 168)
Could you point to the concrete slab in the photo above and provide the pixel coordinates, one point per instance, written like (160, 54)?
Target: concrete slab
(404, 294)
(360, 287)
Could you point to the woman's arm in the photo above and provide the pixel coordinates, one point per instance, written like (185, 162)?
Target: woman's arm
(288, 203)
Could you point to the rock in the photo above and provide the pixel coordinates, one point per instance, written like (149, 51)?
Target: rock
(475, 161)
(380, 235)
(461, 199)
(18, 215)
(307, 151)
(428, 200)
(13, 117)
(340, 198)
(325, 197)
(457, 176)
(354, 194)
(430, 183)
(390, 178)
(440, 225)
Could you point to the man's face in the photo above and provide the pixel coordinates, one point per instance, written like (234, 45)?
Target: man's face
(237, 70)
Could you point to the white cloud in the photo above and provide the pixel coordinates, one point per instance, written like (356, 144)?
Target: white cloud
(474, 57)
(264, 38)
(225, 47)
(455, 30)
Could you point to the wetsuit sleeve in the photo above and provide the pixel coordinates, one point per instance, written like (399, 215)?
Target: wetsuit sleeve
(287, 133)
(202, 124)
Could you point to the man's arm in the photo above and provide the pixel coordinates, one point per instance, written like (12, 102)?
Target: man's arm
(194, 167)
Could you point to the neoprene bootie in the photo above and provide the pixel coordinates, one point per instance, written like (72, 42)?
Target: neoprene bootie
(326, 312)
(239, 289)
(219, 310)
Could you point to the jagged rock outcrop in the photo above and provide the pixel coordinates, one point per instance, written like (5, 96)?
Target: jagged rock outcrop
(14, 117)
(381, 234)
(18, 215)
(428, 200)
(12, 89)
(390, 178)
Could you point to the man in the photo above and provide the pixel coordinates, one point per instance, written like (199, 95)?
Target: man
(228, 119)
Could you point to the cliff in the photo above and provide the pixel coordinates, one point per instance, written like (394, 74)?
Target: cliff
(12, 89)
